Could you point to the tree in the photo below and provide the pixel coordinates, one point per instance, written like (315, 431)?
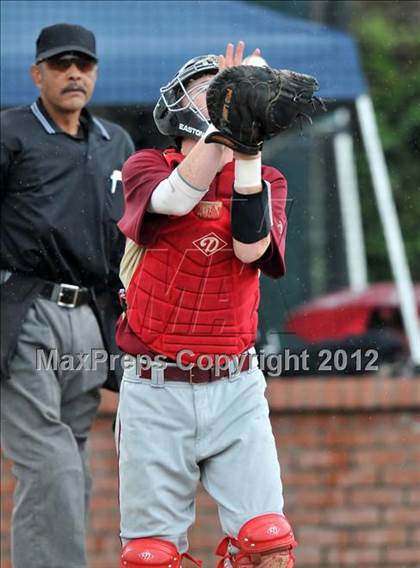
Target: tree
(391, 59)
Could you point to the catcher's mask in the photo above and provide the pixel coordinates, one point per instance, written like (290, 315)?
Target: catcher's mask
(176, 112)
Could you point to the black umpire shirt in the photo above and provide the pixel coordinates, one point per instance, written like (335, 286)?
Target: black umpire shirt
(60, 200)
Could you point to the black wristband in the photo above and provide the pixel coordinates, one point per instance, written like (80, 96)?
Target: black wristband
(251, 216)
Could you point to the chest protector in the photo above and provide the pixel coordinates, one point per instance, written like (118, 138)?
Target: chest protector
(189, 290)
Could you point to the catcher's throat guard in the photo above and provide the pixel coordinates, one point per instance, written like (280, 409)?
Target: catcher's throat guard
(176, 112)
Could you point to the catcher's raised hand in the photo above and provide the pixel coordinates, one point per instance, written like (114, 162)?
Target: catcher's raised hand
(248, 104)
(234, 55)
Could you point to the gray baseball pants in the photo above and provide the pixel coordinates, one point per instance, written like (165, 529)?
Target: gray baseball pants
(171, 436)
(46, 417)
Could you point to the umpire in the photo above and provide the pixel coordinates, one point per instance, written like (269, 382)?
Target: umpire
(60, 250)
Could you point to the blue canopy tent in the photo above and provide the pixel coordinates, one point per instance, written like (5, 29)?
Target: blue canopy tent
(142, 43)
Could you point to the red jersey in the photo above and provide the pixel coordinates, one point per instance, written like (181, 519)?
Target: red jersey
(141, 175)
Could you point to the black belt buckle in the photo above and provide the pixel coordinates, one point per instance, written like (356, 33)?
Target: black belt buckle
(68, 295)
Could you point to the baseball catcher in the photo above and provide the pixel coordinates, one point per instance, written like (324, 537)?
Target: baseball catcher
(203, 218)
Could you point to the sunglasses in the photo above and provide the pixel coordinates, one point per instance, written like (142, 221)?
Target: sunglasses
(62, 63)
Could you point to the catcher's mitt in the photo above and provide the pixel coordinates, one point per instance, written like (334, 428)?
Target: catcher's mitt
(249, 104)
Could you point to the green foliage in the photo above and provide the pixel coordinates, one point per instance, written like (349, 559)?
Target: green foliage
(391, 60)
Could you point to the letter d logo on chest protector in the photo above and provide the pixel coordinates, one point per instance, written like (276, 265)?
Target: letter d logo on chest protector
(210, 244)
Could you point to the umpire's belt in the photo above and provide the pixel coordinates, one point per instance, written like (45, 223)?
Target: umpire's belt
(195, 375)
(66, 295)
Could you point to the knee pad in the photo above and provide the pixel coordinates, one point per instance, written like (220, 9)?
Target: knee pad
(265, 541)
(153, 553)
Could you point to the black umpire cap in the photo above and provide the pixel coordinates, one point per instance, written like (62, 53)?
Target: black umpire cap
(61, 38)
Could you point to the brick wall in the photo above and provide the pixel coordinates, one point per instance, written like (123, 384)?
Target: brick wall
(350, 455)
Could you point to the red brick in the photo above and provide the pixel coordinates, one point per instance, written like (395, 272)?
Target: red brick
(105, 443)
(302, 479)
(323, 458)
(353, 517)
(354, 557)
(413, 496)
(7, 504)
(204, 539)
(402, 476)
(105, 563)
(316, 498)
(299, 438)
(398, 434)
(106, 543)
(7, 484)
(204, 498)
(104, 460)
(354, 477)
(354, 439)
(380, 496)
(398, 515)
(380, 457)
(380, 536)
(408, 555)
(307, 555)
(109, 403)
(302, 517)
(104, 503)
(107, 522)
(414, 456)
(368, 392)
(323, 536)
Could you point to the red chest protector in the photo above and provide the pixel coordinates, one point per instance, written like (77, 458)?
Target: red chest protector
(189, 290)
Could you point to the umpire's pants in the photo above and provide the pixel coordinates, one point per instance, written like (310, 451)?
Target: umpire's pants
(46, 417)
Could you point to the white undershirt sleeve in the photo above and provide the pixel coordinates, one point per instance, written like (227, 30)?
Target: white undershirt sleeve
(174, 196)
